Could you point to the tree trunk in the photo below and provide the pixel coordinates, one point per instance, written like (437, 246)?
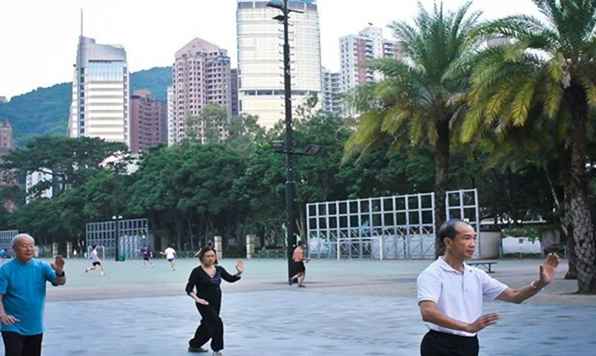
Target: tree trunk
(190, 233)
(577, 191)
(441, 156)
(567, 229)
(178, 234)
(571, 255)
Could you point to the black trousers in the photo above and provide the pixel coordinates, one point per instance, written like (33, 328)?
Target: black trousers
(211, 327)
(21, 345)
(436, 343)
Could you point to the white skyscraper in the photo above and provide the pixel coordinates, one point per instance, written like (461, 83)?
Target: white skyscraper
(100, 93)
(260, 58)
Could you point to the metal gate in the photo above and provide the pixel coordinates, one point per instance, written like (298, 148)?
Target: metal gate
(392, 227)
(6, 237)
(130, 234)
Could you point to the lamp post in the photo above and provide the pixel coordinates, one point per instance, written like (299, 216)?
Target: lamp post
(282, 5)
(117, 222)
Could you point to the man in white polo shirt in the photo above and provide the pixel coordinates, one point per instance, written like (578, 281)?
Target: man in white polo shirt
(451, 293)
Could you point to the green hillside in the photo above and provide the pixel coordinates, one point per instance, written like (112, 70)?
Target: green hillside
(45, 110)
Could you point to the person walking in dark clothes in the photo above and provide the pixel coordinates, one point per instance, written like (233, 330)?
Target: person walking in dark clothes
(204, 288)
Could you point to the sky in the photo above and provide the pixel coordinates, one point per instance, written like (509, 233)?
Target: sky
(39, 37)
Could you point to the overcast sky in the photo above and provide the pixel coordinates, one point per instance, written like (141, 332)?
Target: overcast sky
(39, 37)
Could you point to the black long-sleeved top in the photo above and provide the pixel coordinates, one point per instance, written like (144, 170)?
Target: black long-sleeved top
(208, 288)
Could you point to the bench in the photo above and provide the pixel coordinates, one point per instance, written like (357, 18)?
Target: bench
(487, 264)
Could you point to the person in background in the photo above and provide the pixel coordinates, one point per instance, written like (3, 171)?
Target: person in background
(147, 255)
(299, 269)
(170, 254)
(96, 263)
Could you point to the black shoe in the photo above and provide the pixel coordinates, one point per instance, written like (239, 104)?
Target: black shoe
(196, 349)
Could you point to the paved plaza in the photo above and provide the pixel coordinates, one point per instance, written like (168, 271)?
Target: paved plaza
(348, 308)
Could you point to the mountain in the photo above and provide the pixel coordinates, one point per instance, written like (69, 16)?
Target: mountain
(45, 110)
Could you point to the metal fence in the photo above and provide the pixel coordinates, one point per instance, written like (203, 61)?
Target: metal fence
(130, 235)
(391, 227)
(6, 237)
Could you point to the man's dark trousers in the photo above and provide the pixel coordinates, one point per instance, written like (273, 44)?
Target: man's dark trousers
(21, 345)
(442, 344)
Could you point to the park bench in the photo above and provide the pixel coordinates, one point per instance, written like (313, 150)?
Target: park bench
(487, 264)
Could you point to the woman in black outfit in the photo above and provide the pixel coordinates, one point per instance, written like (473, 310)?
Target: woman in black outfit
(203, 288)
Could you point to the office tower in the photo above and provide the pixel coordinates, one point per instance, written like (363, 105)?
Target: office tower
(260, 58)
(100, 93)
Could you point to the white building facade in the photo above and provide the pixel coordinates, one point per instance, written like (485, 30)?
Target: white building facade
(34, 178)
(100, 93)
(260, 58)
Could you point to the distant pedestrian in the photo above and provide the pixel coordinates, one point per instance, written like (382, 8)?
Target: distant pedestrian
(96, 263)
(22, 297)
(299, 269)
(204, 288)
(170, 254)
(451, 294)
(147, 255)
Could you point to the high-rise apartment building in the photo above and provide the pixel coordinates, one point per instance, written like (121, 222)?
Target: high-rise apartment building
(147, 120)
(260, 58)
(7, 177)
(6, 139)
(100, 93)
(172, 134)
(200, 76)
(357, 51)
(331, 92)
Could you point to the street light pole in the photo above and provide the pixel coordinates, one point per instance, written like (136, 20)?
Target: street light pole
(289, 140)
(117, 219)
(290, 179)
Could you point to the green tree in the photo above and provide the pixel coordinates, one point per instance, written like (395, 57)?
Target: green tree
(422, 93)
(210, 126)
(545, 68)
(70, 162)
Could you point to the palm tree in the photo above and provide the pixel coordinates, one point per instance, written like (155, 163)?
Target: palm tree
(544, 67)
(422, 93)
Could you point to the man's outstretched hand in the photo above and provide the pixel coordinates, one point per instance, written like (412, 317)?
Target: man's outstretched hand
(547, 270)
(482, 322)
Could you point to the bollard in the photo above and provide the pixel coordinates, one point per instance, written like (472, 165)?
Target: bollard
(217, 241)
(250, 246)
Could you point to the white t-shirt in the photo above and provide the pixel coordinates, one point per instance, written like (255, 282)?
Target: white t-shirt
(459, 295)
(170, 253)
(93, 257)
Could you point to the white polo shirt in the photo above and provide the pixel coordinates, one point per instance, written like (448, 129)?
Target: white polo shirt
(459, 295)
